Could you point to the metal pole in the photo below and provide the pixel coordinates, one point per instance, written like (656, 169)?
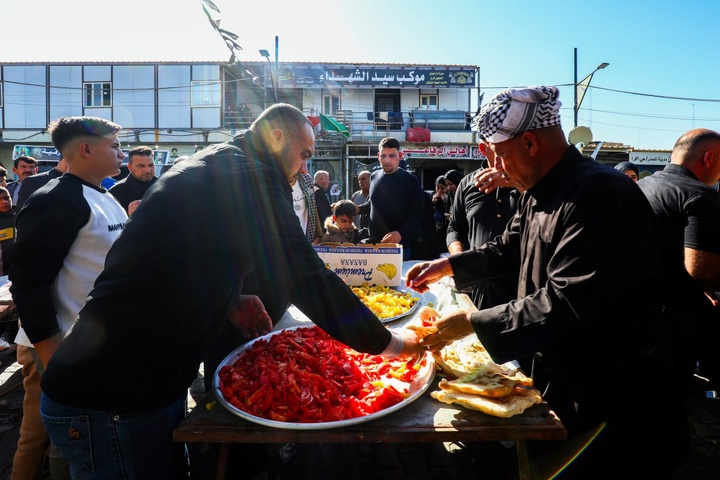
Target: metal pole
(277, 79)
(575, 105)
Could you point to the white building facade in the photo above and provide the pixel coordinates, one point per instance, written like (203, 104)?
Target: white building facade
(178, 108)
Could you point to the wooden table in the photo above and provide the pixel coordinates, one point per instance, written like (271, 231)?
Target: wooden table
(424, 420)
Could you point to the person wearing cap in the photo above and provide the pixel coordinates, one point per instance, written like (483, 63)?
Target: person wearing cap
(688, 209)
(581, 237)
(629, 169)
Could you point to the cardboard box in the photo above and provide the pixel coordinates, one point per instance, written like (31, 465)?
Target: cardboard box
(378, 264)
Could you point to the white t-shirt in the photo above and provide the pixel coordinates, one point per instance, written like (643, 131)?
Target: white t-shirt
(300, 205)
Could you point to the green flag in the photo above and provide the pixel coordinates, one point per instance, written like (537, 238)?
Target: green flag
(332, 125)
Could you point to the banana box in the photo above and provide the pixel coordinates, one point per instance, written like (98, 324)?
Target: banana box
(376, 264)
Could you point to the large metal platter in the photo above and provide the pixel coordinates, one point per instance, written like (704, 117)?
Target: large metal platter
(417, 388)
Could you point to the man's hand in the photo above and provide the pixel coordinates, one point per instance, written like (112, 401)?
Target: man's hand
(490, 179)
(46, 348)
(392, 237)
(450, 327)
(132, 206)
(411, 344)
(422, 274)
(249, 316)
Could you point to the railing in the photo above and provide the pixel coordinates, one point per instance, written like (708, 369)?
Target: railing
(236, 121)
(376, 125)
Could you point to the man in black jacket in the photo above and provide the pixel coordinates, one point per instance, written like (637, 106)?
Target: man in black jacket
(221, 215)
(23, 167)
(140, 178)
(583, 234)
(36, 181)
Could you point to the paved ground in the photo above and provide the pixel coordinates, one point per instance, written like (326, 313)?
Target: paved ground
(369, 461)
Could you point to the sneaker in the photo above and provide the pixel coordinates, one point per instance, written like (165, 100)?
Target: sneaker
(4, 345)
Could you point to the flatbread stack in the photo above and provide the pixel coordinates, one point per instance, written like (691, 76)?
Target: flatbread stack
(476, 381)
(463, 356)
(493, 389)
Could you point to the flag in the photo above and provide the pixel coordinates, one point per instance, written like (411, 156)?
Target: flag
(226, 33)
(332, 125)
(581, 89)
(228, 37)
(210, 4)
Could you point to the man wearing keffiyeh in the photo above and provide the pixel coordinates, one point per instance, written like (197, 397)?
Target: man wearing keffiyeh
(573, 245)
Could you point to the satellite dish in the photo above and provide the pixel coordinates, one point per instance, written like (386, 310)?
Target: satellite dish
(580, 135)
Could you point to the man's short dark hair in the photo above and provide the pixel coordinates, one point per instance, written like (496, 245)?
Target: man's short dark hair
(141, 151)
(25, 159)
(3, 172)
(390, 142)
(65, 129)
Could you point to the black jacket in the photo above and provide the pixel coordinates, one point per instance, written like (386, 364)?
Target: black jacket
(129, 189)
(31, 184)
(170, 277)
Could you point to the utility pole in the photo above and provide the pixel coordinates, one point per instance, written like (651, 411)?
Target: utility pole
(584, 84)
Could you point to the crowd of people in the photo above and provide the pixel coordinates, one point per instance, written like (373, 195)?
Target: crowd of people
(561, 255)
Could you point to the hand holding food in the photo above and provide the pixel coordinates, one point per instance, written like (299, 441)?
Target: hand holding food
(427, 317)
(451, 327)
(411, 345)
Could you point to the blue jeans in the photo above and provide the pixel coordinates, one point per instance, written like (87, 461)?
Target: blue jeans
(102, 445)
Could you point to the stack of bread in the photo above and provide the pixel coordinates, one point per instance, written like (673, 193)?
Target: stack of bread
(474, 380)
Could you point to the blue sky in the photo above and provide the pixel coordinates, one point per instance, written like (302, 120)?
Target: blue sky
(656, 49)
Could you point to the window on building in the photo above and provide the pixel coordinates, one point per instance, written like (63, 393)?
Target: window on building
(331, 104)
(205, 93)
(98, 94)
(1, 95)
(428, 102)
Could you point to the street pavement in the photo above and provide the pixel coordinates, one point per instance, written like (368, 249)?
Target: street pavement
(376, 461)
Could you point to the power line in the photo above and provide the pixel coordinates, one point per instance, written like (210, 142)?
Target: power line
(667, 97)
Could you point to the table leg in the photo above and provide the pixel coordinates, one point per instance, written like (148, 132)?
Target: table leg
(523, 460)
(222, 461)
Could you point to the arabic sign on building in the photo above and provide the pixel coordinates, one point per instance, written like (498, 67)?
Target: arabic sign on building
(37, 152)
(40, 153)
(447, 151)
(649, 158)
(368, 76)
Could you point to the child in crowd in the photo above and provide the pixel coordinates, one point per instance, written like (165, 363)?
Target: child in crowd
(340, 227)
